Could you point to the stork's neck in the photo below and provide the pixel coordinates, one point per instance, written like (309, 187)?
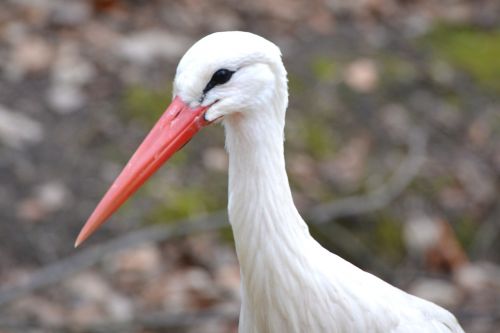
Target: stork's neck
(267, 228)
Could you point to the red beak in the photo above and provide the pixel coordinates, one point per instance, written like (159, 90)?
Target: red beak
(178, 124)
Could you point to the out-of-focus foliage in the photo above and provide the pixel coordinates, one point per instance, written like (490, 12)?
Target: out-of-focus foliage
(146, 105)
(471, 49)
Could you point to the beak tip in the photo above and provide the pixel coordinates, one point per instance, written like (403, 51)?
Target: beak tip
(79, 240)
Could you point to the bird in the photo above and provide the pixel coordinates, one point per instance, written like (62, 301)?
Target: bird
(289, 282)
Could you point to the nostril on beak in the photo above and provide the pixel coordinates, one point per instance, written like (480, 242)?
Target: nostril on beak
(176, 113)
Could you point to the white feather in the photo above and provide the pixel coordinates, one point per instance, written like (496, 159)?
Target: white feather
(290, 283)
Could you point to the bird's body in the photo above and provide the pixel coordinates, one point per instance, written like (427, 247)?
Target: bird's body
(290, 283)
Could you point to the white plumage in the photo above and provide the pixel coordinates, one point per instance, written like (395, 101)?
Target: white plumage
(290, 283)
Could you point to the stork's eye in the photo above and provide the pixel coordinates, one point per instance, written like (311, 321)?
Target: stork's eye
(220, 77)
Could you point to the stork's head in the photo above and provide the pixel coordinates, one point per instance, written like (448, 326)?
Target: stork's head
(222, 76)
(232, 72)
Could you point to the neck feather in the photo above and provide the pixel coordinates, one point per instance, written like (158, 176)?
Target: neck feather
(267, 227)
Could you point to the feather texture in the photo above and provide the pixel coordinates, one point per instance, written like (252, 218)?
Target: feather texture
(290, 283)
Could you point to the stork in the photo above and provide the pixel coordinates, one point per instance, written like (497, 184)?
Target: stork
(289, 282)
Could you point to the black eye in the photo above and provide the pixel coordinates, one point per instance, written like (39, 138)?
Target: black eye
(220, 77)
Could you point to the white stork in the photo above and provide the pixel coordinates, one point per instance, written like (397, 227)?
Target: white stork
(290, 283)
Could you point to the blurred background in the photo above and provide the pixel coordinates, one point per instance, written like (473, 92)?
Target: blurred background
(392, 145)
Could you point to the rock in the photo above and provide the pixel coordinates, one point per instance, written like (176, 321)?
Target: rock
(69, 74)
(395, 121)
(70, 13)
(496, 159)
(86, 314)
(228, 277)
(14, 32)
(420, 233)
(477, 178)
(442, 73)
(89, 291)
(88, 287)
(53, 195)
(119, 308)
(100, 36)
(36, 7)
(417, 25)
(224, 20)
(293, 11)
(145, 47)
(137, 264)
(70, 68)
(31, 55)
(479, 276)
(18, 130)
(45, 312)
(361, 75)
(176, 298)
(16, 276)
(47, 198)
(459, 13)
(349, 164)
(480, 131)
(189, 289)
(211, 325)
(437, 291)
(66, 98)
(303, 168)
(444, 114)
(97, 301)
(453, 197)
(215, 159)
(30, 210)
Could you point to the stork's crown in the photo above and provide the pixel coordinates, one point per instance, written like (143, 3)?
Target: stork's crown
(238, 70)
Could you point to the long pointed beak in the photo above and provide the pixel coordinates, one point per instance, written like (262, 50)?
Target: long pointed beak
(178, 124)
